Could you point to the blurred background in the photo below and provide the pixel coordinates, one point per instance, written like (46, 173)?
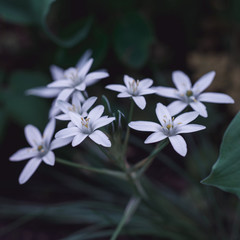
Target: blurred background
(143, 39)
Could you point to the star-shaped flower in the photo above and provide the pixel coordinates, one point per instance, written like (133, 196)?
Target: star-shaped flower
(191, 95)
(169, 128)
(40, 150)
(81, 127)
(133, 89)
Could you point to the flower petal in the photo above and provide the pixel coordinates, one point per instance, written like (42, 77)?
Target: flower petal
(63, 106)
(145, 126)
(85, 57)
(78, 139)
(65, 94)
(76, 119)
(88, 103)
(128, 80)
(146, 91)
(166, 92)
(140, 101)
(94, 77)
(96, 112)
(176, 107)
(67, 132)
(116, 87)
(84, 70)
(145, 83)
(186, 118)
(190, 128)
(199, 107)
(203, 82)
(81, 86)
(29, 169)
(49, 158)
(100, 138)
(33, 135)
(43, 92)
(24, 153)
(181, 81)
(155, 137)
(215, 98)
(102, 122)
(76, 103)
(60, 142)
(124, 95)
(179, 144)
(60, 84)
(48, 131)
(56, 72)
(54, 110)
(162, 113)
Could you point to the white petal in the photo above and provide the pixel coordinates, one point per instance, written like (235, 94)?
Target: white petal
(76, 119)
(124, 95)
(166, 92)
(100, 138)
(102, 122)
(65, 94)
(56, 72)
(162, 113)
(94, 77)
(60, 84)
(78, 139)
(67, 132)
(43, 92)
(199, 107)
(88, 103)
(54, 110)
(145, 83)
(176, 107)
(181, 81)
(96, 112)
(85, 57)
(155, 137)
(140, 101)
(84, 70)
(145, 126)
(190, 128)
(23, 154)
(186, 118)
(29, 169)
(33, 135)
(79, 95)
(215, 98)
(81, 86)
(60, 142)
(127, 80)
(63, 106)
(146, 91)
(179, 144)
(63, 117)
(203, 82)
(76, 102)
(116, 87)
(49, 158)
(48, 131)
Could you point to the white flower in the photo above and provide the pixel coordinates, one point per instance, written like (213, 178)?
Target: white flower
(191, 95)
(40, 150)
(76, 107)
(133, 89)
(81, 127)
(169, 128)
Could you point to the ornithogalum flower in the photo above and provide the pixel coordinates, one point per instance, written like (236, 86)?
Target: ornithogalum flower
(169, 128)
(40, 150)
(134, 89)
(81, 127)
(76, 107)
(191, 95)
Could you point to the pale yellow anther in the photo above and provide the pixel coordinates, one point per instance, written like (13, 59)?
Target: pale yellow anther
(169, 126)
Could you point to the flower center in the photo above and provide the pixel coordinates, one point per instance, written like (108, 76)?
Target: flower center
(40, 148)
(72, 108)
(169, 126)
(189, 93)
(134, 85)
(85, 122)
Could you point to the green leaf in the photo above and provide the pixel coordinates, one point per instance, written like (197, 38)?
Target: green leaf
(225, 172)
(132, 39)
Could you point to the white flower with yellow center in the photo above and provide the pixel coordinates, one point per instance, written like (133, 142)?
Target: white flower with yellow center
(81, 127)
(169, 128)
(191, 95)
(40, 150)
(134, 89)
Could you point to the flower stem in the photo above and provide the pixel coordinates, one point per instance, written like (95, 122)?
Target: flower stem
(117, 174)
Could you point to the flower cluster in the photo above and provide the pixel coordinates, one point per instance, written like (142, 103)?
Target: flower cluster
(71, 103)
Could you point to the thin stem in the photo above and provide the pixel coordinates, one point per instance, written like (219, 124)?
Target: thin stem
(117, 174)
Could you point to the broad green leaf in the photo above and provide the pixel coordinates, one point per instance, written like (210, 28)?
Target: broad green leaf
(225, 172)
(132, 39)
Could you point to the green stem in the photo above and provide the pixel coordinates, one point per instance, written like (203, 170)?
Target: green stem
(117, 174)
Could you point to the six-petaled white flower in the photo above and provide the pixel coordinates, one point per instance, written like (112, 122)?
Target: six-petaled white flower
(82, 127)
(169, 128)
(76, 107)
(133, 89)
(40, 150)
(191, 95)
